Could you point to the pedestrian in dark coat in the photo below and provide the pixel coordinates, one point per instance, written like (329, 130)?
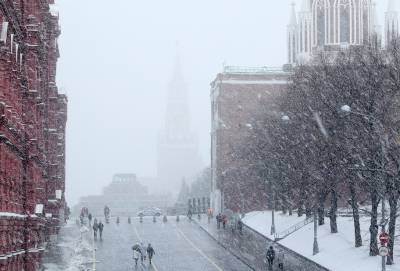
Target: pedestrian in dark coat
(270, 256)
(150, 252)
(218, 218)
(100, 225)
(240, 226)
(95, 228)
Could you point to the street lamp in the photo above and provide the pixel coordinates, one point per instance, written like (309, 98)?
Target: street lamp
(315, 244)
(285, 118)
(347, 109)
(273, 229)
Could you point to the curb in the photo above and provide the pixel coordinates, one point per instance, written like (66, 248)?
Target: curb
(223, 246)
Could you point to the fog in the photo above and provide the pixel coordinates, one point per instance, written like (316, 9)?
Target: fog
(116, 62)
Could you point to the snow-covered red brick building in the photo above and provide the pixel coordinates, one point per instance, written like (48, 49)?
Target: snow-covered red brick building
(32, 133)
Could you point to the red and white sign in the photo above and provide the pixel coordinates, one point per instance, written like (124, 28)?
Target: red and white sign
(384, 238)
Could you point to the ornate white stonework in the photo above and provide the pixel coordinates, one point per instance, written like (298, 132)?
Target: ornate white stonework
(331, 24)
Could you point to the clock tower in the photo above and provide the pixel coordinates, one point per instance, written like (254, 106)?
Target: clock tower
(178, 155)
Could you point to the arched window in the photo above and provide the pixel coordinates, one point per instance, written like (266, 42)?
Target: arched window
(345, 24)
(365, 25)
(319, 21)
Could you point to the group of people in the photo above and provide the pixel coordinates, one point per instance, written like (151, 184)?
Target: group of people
(140, 252)
(221, 219)
(98, 227)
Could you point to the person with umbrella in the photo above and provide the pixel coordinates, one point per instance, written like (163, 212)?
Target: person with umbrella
(137, 253)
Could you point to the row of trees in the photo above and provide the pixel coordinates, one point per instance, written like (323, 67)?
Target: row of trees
(335, 140)
(199, 187)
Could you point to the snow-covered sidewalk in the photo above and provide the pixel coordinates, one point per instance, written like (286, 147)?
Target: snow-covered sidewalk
(73, 251)
(337, 251)
(250, 247)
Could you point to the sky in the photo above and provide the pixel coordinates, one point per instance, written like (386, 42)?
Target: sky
(116, 61)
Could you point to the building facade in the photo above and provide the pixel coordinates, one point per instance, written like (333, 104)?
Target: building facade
(238, 93)
(238, 96)
(178, 155)
(329, 25)
(125, 196)
(33, 117)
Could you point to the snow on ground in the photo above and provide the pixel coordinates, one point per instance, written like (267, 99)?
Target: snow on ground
(261, 221)
(76, 248)
(337, 251)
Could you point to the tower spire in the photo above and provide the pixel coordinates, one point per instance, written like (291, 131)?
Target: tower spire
(305, 6)
(292, 36)
(391, 5)
(391, 22)
(293, 18)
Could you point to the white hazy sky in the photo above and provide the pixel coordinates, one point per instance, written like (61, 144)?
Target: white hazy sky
(116, 60)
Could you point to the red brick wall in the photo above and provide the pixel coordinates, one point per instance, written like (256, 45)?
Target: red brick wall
(32, 129)
(241, 101)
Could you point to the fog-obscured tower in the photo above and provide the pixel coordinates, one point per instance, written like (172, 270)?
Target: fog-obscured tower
(178, 155)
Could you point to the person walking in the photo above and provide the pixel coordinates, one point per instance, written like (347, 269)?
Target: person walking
(218, 218)
(209, 215)
(95, 228)
(270, 256)
(280, 258)
(90, 219)
(224, 221)
(100, 226)
(137, 253)
(150, 252)
(240, 226)
(143, 252)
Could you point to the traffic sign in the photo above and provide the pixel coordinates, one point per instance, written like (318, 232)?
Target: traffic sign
(384, 238)
(383, 251)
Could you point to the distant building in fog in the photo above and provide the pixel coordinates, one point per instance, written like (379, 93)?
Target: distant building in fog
(178, 155)
(125, 196)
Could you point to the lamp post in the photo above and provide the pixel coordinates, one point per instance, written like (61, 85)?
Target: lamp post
(383, 141)
(285, 119)
(273, 229)
(315, 244)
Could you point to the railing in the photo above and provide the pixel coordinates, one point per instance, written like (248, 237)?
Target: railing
(292, 229)
(252, 70)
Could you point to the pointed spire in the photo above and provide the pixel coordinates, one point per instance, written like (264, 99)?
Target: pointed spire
(305, 6)
(293, 18)
(376, 27)
(391, 5)
(391, 23)
(374, 17)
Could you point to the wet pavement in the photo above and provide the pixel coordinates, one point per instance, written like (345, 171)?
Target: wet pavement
(178, 246)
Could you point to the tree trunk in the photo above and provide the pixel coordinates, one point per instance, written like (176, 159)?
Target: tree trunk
(308, 208)
(356, 215)
(284, 203)
(300, 208)
(321, 208)
(373, 228)
(289, 202)
(393, 199)
(333, 210)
